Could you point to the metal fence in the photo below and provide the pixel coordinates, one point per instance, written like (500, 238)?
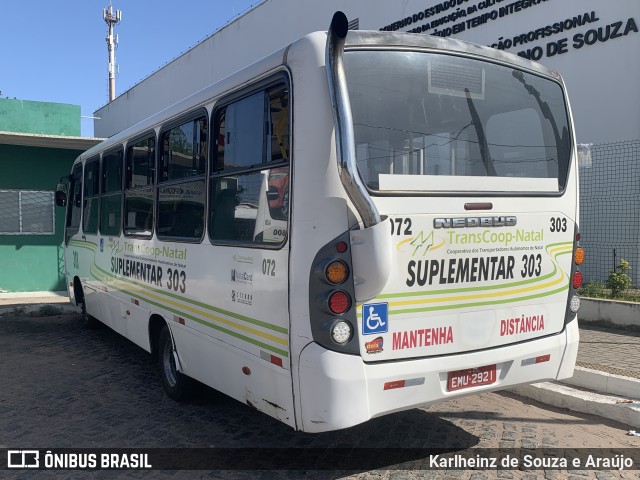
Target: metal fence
(610, 208)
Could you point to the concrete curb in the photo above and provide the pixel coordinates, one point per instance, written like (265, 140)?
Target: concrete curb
(613, 397)
(603, 382)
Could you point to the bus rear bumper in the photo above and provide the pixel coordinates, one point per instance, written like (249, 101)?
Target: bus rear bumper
(339, 391)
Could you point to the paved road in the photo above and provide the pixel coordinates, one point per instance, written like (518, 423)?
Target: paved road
(62, 386)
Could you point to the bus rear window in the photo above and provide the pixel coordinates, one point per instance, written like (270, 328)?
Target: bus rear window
(432, 122)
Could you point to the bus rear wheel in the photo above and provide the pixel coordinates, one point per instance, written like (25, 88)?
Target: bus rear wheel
(177, 385)
(88, 321)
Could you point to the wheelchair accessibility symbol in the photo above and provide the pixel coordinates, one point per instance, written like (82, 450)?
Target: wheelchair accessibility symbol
(375, 318)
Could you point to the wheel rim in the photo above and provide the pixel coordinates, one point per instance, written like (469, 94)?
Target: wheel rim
(169, 364)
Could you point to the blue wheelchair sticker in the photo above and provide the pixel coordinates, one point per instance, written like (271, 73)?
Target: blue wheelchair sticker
(375, 318)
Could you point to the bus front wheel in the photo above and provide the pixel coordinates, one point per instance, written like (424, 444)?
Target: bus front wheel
(177, 385)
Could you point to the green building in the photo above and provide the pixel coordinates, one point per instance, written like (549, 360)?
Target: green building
(38, 143)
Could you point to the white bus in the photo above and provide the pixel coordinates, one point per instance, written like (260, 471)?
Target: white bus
(358, 224)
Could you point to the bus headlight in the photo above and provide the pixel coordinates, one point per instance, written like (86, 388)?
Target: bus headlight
(574, 305)
(341, 332)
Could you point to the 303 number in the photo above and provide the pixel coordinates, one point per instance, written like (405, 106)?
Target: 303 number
(558, 224)
(532, 265)
(176, 280)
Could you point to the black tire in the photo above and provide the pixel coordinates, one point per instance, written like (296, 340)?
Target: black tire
(87, 320)
(178, 386)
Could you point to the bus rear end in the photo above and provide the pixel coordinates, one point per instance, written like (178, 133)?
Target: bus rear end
(467, 280)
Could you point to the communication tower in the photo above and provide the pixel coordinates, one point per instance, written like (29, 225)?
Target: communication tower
(112, 18)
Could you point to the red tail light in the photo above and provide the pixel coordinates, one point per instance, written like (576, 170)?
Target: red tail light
(339, 302)
(577, 280)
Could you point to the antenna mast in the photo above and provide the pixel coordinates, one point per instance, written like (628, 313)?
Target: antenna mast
(111, 20)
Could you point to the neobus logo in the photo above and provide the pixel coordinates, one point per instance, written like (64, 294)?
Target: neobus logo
(463, 222)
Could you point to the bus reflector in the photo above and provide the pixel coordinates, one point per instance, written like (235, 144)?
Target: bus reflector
(395, 384)
(341, 247)
(336, 272)
(403, 383)
(579, 256)
(339, 302)
(543, 358)
(276, 360)
(577, 280)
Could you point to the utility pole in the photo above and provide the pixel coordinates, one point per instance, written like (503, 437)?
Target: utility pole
(111, 20)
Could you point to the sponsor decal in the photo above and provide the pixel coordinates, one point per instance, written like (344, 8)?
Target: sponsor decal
(241, 276)
(241, 297)
(248, 259)
(522, 324)
(375, 318)
(423, 337)
(375, 345)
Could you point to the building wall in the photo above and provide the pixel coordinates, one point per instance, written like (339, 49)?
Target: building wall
(593, 44)
(602, 76)
(33, 263)
(45, 118)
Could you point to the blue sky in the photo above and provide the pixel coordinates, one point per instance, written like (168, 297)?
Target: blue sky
(56, 51)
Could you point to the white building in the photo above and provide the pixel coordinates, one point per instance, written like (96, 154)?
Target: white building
(592, 43)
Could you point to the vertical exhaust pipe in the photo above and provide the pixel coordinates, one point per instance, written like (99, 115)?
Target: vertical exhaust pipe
(374, 240)
(343, 121)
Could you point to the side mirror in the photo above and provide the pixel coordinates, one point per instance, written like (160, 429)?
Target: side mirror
(61, 195)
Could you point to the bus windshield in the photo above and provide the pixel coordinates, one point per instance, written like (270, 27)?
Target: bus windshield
(430, 122)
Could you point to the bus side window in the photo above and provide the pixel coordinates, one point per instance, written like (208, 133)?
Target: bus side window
(91, 196)
(111, 199)
(74, 205)
(181, 185)
(139, 190)
(249, 183)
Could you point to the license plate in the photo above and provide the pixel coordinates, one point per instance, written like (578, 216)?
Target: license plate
(471, 377)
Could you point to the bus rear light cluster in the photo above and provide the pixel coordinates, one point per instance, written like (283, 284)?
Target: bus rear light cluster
(332, 297)
(576, 278)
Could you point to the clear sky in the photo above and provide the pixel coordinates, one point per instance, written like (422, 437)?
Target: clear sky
(56, 51)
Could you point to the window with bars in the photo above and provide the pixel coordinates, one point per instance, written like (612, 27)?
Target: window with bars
(27, 212)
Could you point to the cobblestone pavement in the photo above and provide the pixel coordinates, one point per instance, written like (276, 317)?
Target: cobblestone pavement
(62, 386)
(612, 351)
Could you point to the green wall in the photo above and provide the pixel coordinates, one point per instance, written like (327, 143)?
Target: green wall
(24, 116)
(31, 263)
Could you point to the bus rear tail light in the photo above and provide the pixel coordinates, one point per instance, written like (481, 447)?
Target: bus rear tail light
(341, 332)
(339, 302)
(336, 272)
(577, 280)
(578, 257)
